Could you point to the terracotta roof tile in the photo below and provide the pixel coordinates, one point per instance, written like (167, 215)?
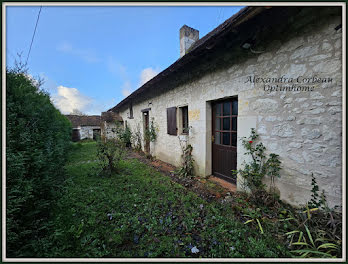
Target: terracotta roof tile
(77, 120)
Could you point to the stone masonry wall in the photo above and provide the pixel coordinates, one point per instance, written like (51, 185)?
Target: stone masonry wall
(87, 131)
(303, 127)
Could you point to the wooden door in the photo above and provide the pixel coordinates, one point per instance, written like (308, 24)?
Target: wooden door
(146, 128)
(224, 138)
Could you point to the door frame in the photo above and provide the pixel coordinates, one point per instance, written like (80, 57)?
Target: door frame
(146, 125)
(213, 103)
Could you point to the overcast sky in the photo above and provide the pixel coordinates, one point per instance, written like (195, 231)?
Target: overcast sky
(93, 57)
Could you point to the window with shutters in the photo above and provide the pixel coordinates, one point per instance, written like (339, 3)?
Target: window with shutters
(171, 121)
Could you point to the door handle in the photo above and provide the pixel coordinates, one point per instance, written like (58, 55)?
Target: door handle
(212, 139)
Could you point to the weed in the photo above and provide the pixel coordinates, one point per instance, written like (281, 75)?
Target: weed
(316, 201)
(137, 138)
(186, 170)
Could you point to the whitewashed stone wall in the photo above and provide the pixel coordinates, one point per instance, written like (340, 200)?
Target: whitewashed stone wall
(108, 130)
(303, 127)
(87, 131)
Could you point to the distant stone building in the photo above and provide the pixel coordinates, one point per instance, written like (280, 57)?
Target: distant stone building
(109, 122)
(84, 126)
(275, 69)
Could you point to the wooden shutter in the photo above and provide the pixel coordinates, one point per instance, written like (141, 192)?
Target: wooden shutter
(171, 121)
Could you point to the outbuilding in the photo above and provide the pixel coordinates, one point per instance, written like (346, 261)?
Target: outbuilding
(84, 126)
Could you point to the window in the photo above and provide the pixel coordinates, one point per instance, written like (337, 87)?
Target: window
(225, 125)
(184, 120)
(171, 121)
(131, 111)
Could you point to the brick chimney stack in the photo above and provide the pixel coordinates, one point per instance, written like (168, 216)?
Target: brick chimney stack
(188, 36)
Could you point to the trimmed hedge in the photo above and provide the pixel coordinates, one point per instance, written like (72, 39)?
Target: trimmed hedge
(37, 138)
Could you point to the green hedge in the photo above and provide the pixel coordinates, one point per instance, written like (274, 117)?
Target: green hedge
(37, 138)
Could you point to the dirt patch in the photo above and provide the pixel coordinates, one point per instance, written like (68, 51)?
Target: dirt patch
(211, 188)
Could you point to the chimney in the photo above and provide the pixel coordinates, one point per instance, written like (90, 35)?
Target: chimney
(188, 36)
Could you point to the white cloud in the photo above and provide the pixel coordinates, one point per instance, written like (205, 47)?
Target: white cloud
(120, 71)
(68, 99)
(87, 55)
(146, 75)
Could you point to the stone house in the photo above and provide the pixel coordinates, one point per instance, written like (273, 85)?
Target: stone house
(109, 122)
(84, 126)
(275, 69)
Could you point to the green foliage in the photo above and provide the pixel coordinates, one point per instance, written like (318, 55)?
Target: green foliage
(141, 213)
(109, 153)
(150, 134)
(315, 233)
(187, 169)
(254, 172)
(37, 137)
(124, 134)
(137, 138)
(255, 217)
(316, 201)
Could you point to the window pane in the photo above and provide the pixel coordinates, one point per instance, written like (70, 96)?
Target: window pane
(227, 108)
(226, 123)
(217, 123)
(234, 139)
(218, 109)
(234, 123)
(226, 138)
(217, 138)
(235, 107)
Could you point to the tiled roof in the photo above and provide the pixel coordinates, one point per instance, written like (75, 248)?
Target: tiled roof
(110, 117)
(84, 120)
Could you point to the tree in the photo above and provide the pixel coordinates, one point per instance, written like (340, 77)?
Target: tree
(77, 112)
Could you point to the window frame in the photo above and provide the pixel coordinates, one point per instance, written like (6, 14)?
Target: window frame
(221, 116)
(184, 122)
(131, 111)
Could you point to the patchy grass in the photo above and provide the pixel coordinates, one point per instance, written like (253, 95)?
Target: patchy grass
(142, 213)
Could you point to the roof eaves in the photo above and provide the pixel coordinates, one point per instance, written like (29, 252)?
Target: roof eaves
(205, 43)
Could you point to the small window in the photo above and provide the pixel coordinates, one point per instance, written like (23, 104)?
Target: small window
(131, 111)
(184, 120)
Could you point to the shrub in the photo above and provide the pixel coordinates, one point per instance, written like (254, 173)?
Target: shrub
(38, 136)
(110, 152)
(254, 172)
(124, 134)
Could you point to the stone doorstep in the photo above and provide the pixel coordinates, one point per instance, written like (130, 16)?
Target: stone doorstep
(225, 184)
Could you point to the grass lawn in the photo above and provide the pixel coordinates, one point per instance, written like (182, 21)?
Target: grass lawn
(142, 213)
